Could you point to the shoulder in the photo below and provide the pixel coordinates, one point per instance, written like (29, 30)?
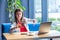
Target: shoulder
(25, 18)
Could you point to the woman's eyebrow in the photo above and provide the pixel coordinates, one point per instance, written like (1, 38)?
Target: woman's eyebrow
(18, 13)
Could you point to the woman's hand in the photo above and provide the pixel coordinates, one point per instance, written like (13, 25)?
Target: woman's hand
(34, 21)
(18, 25)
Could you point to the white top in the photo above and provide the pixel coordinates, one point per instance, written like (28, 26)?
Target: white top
(26, 21)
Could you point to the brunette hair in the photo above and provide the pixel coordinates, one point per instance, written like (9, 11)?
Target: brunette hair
(17, 10)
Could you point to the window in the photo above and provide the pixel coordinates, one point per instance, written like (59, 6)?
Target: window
(37, 10)
(54, 13)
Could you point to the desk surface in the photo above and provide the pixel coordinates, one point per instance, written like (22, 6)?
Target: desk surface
(51, 34)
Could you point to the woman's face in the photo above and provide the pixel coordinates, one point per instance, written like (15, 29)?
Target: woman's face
(18, 15)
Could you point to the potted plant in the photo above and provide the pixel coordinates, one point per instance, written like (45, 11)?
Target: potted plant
(12, 5)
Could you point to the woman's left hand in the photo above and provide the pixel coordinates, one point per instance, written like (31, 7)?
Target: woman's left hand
(34, 21)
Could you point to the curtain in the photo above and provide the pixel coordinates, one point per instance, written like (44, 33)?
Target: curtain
(29, 5)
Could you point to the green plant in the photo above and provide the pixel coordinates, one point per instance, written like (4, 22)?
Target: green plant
(52, 19)
(58, 19)
(12, 5)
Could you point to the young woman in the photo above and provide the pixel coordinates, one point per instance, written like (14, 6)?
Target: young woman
(20, 24)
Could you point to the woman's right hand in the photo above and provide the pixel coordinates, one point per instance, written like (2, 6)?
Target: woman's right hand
(18, 25)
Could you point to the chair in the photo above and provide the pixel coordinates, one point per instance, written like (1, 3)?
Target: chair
(5, 29)
(34, 27)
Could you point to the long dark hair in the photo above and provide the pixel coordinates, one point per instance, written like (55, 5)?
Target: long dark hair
(17, 10)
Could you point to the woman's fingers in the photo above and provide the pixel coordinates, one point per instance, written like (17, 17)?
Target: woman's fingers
(19, 25)
(34, 21)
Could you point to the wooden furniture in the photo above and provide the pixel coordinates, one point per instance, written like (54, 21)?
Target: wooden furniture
(17, 36)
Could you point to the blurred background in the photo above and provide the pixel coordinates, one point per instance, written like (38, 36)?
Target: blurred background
(41, 10)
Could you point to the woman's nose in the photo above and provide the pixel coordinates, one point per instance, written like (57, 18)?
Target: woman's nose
(19, 15)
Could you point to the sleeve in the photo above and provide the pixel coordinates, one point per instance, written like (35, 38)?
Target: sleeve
(28, 20)
(13, 25)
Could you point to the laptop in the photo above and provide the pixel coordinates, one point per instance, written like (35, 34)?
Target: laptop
(43, 28)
